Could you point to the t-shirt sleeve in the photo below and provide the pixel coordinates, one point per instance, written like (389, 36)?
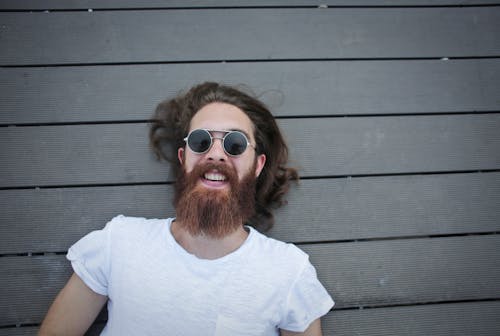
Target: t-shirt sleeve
(307, 301)
(90, 259)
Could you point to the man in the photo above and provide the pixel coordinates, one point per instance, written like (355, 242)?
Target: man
(207, 271)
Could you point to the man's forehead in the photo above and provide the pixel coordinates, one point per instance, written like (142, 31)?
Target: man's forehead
(222, 117)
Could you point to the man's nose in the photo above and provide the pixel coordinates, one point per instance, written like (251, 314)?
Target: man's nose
(216, 152)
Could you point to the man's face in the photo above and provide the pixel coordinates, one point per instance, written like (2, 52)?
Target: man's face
(223, 117)
(215, 192)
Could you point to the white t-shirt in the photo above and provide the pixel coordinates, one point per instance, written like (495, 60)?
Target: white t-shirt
(155, 287)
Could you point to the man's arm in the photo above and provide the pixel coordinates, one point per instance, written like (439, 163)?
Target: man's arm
(314, 329)
(73, 310)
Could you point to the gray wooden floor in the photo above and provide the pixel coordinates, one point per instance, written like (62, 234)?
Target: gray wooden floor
(391, 110)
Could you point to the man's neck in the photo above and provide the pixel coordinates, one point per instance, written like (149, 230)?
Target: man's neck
(205, 247)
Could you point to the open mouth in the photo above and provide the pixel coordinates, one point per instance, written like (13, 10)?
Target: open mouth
(214, 177)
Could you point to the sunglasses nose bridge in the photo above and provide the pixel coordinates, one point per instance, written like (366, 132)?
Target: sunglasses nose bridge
(216, 150)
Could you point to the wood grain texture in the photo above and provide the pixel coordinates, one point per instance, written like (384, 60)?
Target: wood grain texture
(30, 286)
(356, 274)
(116, 4)
(50, 220)
(191, 35)
(94, 330)
(19, 331)
(394, 206)
(423, 270)
(368, 235)
(110, 93)
(473, 318)
(119, 153)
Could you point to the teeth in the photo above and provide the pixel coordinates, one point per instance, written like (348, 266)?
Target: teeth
(215, 177)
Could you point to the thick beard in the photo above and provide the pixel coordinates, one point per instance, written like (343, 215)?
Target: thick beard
(212, 212)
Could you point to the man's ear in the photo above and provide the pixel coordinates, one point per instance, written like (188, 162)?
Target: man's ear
(180, 154)
(261, 161)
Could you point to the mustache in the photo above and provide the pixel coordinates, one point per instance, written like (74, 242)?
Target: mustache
(201, 169)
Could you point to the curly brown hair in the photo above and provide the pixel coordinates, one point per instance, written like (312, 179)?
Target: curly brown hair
(171, 124)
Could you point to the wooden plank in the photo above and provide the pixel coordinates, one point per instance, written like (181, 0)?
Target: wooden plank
(381, 273)
(19, 331)
(357, 274)
(125, 144)
(119, 153)
(64, 215)
(394, 206)
(50, 220)
(45, 276)
(94, 330)
(471, 318)
(393, 144)
(107, 93)
(170, 35)
(114, 4)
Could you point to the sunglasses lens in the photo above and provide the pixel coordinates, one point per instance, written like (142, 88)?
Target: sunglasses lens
(235, 143)
(199, 141)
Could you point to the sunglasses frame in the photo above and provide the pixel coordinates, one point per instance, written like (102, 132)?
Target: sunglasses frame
(223, 139)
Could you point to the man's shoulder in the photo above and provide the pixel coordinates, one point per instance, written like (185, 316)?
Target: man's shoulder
(277, 251)
(135, 225)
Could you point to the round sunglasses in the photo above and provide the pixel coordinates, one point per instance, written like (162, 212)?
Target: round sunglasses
(201, 140)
